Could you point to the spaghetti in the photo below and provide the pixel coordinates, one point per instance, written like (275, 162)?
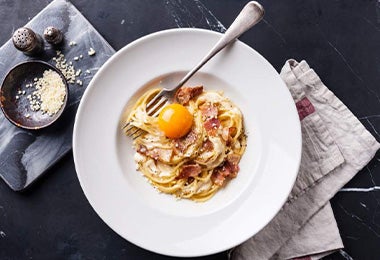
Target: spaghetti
(198, 164)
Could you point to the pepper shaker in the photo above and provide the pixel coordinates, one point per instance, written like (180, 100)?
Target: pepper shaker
(27, 41)
(52, 35)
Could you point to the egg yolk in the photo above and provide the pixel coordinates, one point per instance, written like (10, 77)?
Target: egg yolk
(175, 120)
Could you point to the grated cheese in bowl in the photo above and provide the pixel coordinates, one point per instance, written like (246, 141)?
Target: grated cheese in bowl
(50, 91)
(33, 95)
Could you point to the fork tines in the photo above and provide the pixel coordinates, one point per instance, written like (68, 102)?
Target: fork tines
(133, 131)
(153, 108)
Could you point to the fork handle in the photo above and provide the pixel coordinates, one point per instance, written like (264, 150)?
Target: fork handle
(250, 15)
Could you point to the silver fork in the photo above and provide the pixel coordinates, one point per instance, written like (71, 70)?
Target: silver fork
(250, 15)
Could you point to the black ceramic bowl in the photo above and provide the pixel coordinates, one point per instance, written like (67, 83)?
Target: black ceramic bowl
(17, 110)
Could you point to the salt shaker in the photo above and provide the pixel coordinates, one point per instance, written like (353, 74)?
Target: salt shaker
(27, 41)
(53, 35)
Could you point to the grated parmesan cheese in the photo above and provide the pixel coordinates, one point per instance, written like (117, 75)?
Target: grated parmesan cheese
(50, 93)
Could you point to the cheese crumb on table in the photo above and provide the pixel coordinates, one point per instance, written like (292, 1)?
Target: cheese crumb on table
(67, 70)
(91, 52)
(79, 82)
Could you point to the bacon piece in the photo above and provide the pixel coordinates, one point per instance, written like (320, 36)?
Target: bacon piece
(181, 144)
(208, 111)
(210, 116)
(212, 126)
(233, 164)
(159, 154)
(189, 170)
(217, 178)
(142, 149)
(184, 94)
(229, 168)
(219, 174)
(207, 145)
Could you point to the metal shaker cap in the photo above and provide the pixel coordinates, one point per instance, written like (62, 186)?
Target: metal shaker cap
(53, 35)
(27, 41)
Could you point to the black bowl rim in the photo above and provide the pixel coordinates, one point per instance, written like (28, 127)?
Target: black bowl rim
(58, 115)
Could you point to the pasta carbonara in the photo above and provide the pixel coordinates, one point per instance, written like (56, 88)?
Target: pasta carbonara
(196, 165)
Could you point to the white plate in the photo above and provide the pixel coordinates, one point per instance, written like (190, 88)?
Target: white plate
(158, 222)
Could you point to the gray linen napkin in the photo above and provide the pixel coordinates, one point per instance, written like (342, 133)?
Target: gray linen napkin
(335, 147)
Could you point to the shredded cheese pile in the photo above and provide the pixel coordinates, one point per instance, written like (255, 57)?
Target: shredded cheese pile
(50, 93)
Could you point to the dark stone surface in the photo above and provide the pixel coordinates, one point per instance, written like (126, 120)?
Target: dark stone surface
(339, 39)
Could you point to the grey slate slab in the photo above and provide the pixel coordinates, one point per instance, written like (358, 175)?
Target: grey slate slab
(27, 154)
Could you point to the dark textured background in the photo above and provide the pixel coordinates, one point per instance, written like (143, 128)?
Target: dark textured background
(340, 39)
